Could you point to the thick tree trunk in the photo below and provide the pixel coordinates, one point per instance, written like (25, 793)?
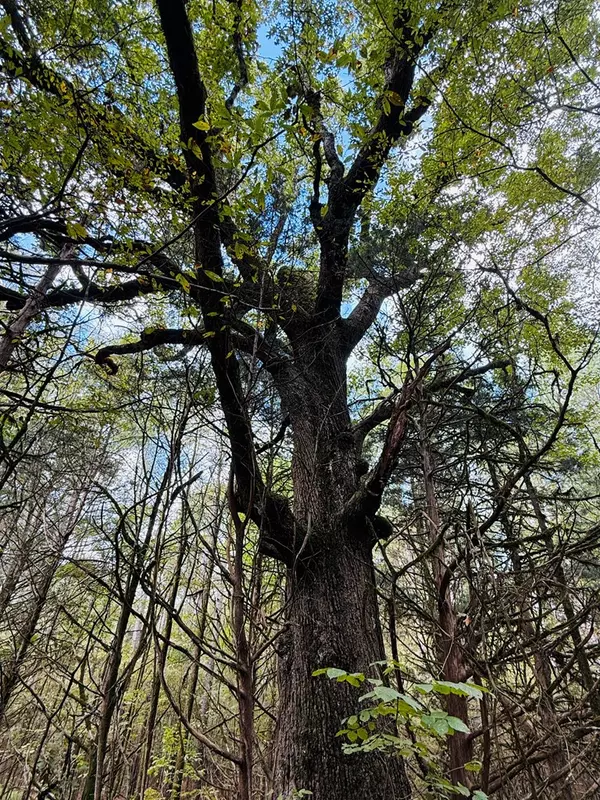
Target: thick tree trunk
(334, 622)
(333, 613)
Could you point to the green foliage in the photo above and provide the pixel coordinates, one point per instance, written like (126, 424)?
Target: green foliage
(419, 724)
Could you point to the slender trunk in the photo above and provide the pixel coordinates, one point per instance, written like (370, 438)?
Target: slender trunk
(21, 548)
(43, 744)
(542, 667)
(177, 781)
(10, 671)
(486, 756)
(450, 656)
(109, 689)
(587, 677)
(159, 667)
(33, 305)
(244, 665)
(11, 578)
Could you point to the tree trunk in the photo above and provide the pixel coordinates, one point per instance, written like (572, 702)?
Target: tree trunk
(244, 664)
(451, 659)
(110, 687)
(334, 622)
(587, 679)
(541, 664)
(333, 613)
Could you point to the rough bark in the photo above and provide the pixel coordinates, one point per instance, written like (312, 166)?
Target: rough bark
(333, 613)
(334, 621)
(327, 538)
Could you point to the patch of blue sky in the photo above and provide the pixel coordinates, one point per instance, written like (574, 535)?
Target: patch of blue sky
(269, 49)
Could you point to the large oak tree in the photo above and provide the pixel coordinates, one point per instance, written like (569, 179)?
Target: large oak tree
(153, 155)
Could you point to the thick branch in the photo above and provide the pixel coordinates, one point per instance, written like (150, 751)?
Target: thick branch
(364, 315)
(191, 94)
(18, 23)
(395, 120)
(346, 194)
(149, 340)
(336, 165)
(238, 46)
(272, 515)
(128, 290)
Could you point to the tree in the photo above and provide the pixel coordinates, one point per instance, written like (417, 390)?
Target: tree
(154, 158)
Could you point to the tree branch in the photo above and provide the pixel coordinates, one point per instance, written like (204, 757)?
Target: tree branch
(238, 46)
(148, 341)
(347, 193)
(365, 313)
(272, 514)
(107, 121)
(128, 290)
(384, 410)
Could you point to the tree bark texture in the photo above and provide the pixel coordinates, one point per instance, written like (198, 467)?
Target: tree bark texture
(333, 612)
(452, 663)
(334, 621)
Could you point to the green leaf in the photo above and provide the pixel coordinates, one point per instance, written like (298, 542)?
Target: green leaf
(457, 724)
(394, 98)
(334, 672)
(213, 276)
(386, 694)
(461, 689)
(183, 282)
(424, 688)
(460, 789)
(195, 148)
(76, 231)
